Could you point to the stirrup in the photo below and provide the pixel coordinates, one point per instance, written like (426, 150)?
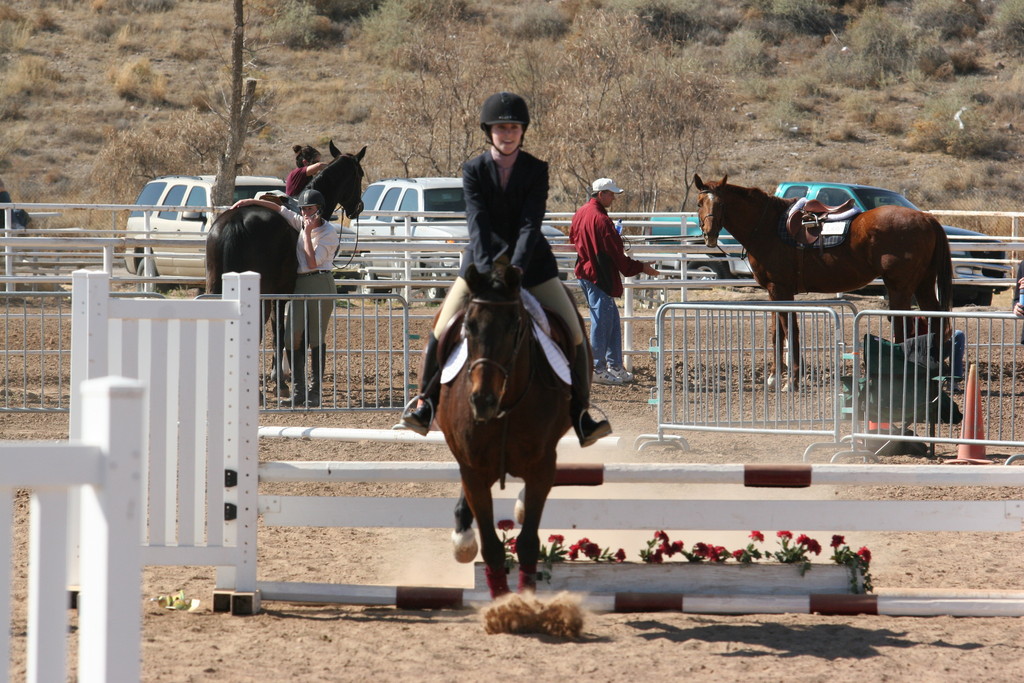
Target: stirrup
(412, 420)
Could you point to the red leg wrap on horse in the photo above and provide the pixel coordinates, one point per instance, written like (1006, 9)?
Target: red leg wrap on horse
(497, 581)
(527, 578)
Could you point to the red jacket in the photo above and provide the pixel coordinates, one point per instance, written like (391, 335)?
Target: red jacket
(599, 248)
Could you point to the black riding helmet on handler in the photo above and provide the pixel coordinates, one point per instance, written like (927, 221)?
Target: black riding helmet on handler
(310, 197)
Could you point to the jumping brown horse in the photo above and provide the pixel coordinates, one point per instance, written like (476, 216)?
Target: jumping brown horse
(253, 238)
(503, 414)
(908, 249)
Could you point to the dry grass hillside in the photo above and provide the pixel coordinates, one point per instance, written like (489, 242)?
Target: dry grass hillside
(96, 96)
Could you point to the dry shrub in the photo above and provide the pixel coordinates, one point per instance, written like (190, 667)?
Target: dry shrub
(136, 80)
(882, 47)
(953, 126)
(30, 75)
(188, 143)
(101, 29)
(539, 20)
(298, 25)
(43, 20)
(15, 34)
(952, 19)
(890, 122)
(1008, 25)
(746, 54)
(934, 62)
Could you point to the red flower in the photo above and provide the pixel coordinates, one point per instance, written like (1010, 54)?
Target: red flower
(556, 538)
(511, 545)
(661, 536)
(656, 558)
(864, 554)
(620, 556)
(757, 536)
(591, 550)
(803, 539)
(738, 553)
(677, 547)
(574, 552)
(506, 525)
(837, 540)
(701, 549)
(784, 534)
(814, 546)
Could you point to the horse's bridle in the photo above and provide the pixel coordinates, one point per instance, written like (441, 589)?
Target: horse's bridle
(521, 334)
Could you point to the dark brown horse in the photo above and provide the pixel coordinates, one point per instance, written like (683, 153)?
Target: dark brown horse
(908, 249)
(253, 238)
(503, 414)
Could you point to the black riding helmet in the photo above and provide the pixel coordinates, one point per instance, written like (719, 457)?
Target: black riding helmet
(312, 198)
(504, 107)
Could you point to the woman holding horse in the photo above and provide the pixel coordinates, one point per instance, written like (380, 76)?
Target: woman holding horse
(307, 320)
(506, 190)
(307, 165)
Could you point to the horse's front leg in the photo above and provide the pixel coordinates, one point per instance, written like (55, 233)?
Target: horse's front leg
(464, 544)
(535, 494)
(477, 493)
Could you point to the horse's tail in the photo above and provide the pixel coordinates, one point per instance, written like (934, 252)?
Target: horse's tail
(223, 254)
(943, 264)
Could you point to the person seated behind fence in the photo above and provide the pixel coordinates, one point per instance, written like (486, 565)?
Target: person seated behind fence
(307, 321)
(21, 219)
(307, 165)
(921, 348)
(601, 258)
(506, 192)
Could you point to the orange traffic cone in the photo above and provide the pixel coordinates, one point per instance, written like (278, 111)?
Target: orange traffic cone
(973, 426)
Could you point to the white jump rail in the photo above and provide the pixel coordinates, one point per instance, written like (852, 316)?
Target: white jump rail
(624, 514)
(199, 360)
(104, 465)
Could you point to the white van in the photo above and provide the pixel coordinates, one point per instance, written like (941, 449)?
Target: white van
(182, 191)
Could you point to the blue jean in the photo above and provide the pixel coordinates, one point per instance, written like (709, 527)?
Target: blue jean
(605, 331)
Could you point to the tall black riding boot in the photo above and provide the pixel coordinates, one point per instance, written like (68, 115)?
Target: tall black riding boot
(317, 363)
(420, 412)
(587, 429)
(298, 362)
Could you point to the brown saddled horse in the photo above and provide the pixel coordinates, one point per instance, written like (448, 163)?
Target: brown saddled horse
(502, 414)
(908, 249)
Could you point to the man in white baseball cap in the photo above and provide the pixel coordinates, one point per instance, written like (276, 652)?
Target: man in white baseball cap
(602, 259)
(604, 185)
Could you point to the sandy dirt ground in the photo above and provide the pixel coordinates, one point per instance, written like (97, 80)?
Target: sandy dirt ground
(291, 642)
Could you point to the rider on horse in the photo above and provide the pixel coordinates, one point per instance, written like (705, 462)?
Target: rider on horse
(506, 192)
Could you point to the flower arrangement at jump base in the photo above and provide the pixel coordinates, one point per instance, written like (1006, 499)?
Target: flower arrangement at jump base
(795, 551)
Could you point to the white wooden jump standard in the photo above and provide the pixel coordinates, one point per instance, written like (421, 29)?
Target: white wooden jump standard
(105, 466)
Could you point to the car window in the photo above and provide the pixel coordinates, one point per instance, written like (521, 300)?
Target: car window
(795, 191)
(250, 191)
(832, 196)
(150, 195)
(872, 198)
(197, 197)
(370, 196)
(389, 202)
(444, 199)
(173, 198)
(410, 200)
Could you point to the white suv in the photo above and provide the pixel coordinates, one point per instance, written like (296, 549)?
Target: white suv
(182, 191)
(429, 195)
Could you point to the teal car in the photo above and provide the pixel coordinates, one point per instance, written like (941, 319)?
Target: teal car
(988, 265)
(686, 230)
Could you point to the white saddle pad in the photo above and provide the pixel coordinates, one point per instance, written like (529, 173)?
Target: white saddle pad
(556, 359)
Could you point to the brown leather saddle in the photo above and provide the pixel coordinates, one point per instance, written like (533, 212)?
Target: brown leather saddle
(804, 226)
(451, 336)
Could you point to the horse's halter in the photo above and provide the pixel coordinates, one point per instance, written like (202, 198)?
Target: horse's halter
(521, 334)
(357, 170)
(712, 201)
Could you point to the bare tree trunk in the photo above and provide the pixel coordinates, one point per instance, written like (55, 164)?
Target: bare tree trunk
(239, 109)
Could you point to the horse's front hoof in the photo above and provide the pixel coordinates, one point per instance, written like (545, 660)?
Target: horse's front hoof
(464, 546)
